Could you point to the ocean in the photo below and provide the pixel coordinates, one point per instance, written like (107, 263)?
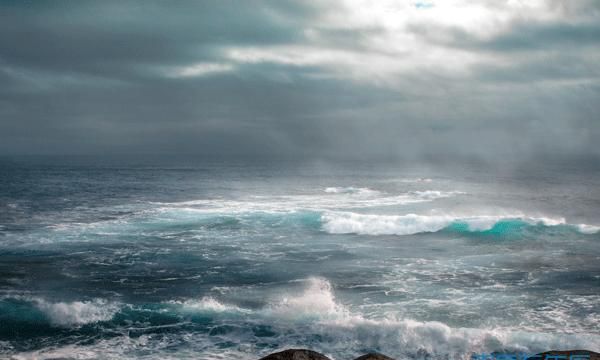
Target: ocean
(122, 258)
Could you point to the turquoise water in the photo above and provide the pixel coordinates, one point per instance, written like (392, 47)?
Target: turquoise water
(164, 260)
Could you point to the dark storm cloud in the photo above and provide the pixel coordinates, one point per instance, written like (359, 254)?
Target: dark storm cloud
(111, 38)
(300, 79)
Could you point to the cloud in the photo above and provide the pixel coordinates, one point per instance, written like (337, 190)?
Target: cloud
(328, 79)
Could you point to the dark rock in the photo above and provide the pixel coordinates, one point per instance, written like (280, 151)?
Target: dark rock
(303, 354)
(374, 356)
(296, 354)
(551, 355)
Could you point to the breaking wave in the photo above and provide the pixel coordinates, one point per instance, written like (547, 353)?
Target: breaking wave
(338, 198)
(60, 314)
(317, 301)
(207, 304)
(167, 219)
(77, 312)
(309, 316)
(337, 326)
(371, 224)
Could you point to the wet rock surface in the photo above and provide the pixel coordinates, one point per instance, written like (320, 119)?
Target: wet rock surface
(303, 354)
(567, 355)
(296, 354)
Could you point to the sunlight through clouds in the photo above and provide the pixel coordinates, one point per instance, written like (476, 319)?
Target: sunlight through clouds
(200, 69)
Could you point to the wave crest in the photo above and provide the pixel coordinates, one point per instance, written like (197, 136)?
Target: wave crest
(77, 312)
(316, 301)
(371, 224)
(314, 317)
(207, 304)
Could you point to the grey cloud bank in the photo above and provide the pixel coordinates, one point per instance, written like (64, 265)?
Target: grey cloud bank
(317, 79)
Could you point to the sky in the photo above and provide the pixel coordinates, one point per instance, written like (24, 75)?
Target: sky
(336, 79)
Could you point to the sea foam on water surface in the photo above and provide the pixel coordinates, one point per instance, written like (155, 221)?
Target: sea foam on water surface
(69, 313)
(338, 222)
(298, 317)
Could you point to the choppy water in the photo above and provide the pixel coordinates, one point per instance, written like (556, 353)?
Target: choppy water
(204, 260)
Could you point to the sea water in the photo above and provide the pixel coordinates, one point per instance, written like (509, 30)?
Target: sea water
(105, 258)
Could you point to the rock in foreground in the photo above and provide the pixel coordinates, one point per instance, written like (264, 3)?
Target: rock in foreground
(303, 354)
(296, 354)
(568, 355)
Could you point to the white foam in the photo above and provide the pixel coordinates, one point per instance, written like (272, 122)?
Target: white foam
(317, 300)
(351, 190)
(436, 194)
(207, 304)
(344, 199)
(369, 224)
(340, 332)
(588, 229)
(115, 348)
(374, 224)
(77, 312)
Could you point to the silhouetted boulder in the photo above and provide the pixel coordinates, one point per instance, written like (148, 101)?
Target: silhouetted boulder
(551, 355)
(303, 354)
(296, 354)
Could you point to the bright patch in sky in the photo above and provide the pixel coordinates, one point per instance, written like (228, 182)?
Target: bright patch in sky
(200, 69)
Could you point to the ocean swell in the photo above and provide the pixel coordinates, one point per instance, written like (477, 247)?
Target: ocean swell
(308, 314)
(409, 224)
(20, 309)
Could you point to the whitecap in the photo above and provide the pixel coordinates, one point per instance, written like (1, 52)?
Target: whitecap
(370, 224)
(588, 229)
(207, 304)
(316, 301)
(338, 222)
(77, 312)
(355, 198)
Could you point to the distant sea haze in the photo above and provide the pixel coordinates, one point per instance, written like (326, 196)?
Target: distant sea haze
(107, 258)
